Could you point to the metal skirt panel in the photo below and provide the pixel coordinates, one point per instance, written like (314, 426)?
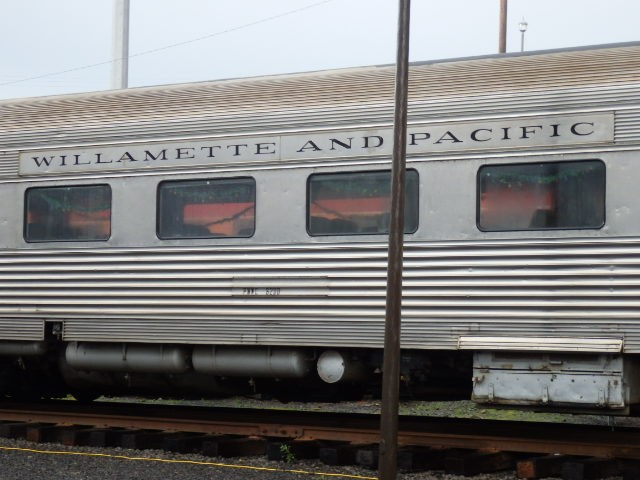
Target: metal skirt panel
(22, 328)
(328, 295)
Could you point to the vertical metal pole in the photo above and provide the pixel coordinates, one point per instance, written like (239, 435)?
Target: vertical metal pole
(388, 459)
(502, 43)
(120, 66)
(522, 26)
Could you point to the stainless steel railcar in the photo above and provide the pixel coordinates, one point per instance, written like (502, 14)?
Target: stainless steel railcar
(229, 236)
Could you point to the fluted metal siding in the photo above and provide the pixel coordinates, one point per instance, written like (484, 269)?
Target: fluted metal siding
(627, 126)
(548, 288)
(531, 83)
(561, 287)
(9, 164)
(22, 329)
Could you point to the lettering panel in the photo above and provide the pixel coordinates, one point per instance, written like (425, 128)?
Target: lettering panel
(249, 287)
(530, 132)
(339, 144)
(433, 138)
(150, 156)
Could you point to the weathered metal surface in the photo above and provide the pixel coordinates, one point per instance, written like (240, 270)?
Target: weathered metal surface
(593, 381)
(20, 328)
(458, 281)
(513, 289)
(128, 358)
(251, 362)
(547, 344)
(527, 83)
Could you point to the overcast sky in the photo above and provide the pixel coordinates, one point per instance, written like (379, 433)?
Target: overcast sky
(262, 37)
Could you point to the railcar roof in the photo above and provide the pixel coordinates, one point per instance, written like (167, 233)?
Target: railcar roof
(510, 55)
(293, 98)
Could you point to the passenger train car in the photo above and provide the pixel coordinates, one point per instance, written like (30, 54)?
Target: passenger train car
(231, 236)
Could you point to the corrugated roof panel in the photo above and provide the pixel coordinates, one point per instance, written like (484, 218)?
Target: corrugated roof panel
(336, 97)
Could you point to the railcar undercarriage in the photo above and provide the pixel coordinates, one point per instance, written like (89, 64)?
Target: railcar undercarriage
(88, 369)
(576, 382)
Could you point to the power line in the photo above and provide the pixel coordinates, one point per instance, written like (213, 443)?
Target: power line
(174, 45)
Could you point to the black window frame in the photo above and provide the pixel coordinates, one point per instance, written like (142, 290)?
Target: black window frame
(27, 202)
(196, 181)
(307, 212)
(535, 228)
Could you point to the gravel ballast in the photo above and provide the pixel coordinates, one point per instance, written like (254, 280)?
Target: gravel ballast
(21, 460)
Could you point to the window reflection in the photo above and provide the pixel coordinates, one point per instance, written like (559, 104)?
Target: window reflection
(357, 203)
(540, 196)
(207, 208)
(68, 213)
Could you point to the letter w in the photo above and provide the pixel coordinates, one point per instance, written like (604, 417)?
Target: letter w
(43, 160)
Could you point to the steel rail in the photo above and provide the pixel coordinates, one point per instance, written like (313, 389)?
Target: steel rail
(525, 437)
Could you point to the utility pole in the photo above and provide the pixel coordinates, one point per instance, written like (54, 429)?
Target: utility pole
(502, 42)
(120, 53)
(388, 459)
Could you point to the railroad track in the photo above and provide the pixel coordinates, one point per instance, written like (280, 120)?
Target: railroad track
(154, 423)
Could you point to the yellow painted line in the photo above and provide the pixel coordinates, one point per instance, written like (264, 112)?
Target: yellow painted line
(190, 462)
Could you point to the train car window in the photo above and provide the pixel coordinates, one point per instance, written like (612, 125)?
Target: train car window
(357, 203)
(70, 213)
(207, 208)
(541, 196)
